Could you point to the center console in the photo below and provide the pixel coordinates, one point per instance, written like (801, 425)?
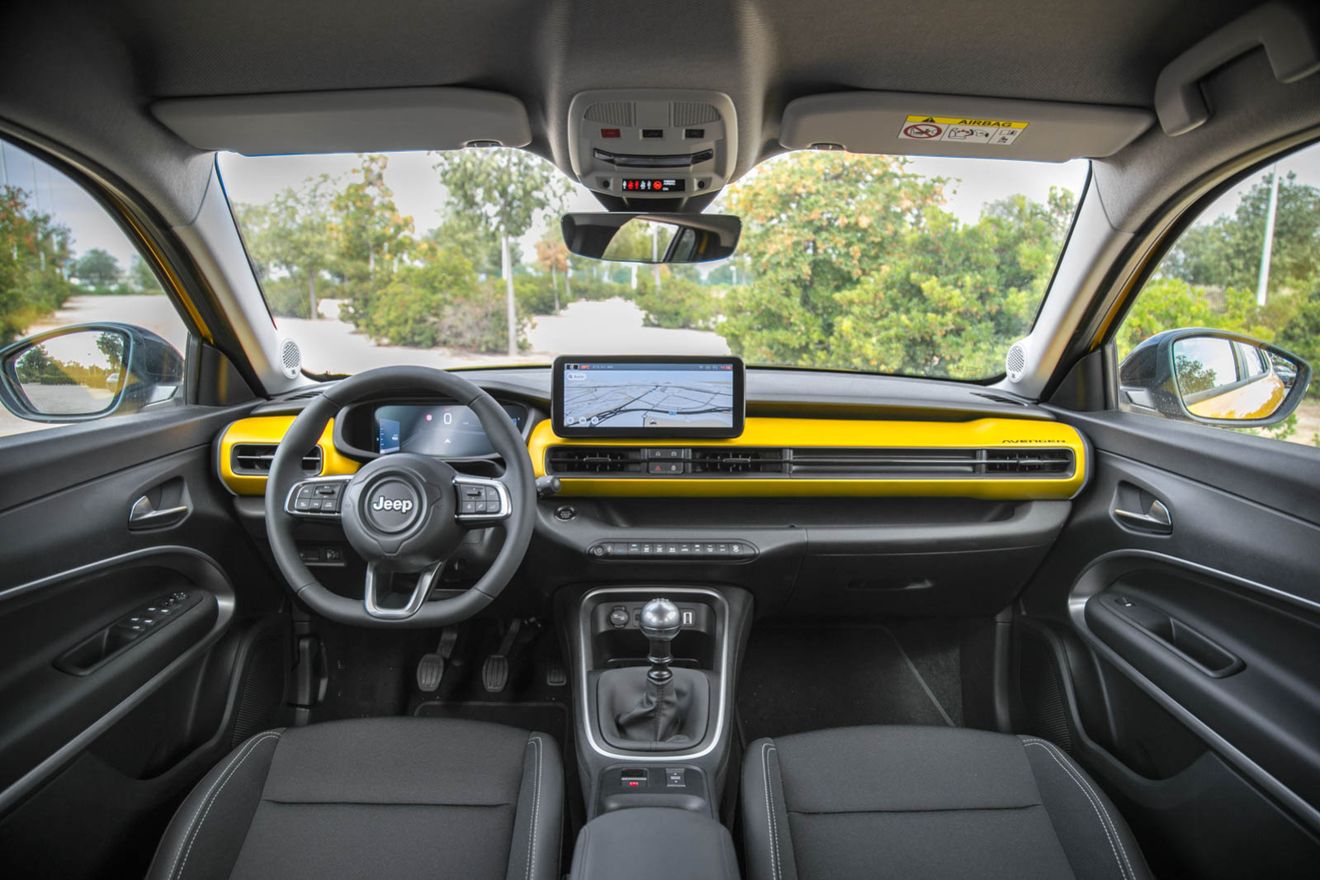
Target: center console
(654, 671)
(653, 679)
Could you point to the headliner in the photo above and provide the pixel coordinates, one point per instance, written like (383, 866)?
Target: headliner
(83, 72)
(762, 53)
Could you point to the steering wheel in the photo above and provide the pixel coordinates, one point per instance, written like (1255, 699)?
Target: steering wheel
(403, 513)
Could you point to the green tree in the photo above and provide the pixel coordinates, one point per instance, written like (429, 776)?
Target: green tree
(140, 278)
(438, 301)
(33, 253)
(370, 237)
(506, 189)
(1226, 251)
(292, 237)
(97, 271)
(858, 256)
(552, 255)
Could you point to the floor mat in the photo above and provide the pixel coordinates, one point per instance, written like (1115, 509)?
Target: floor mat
(796, 679)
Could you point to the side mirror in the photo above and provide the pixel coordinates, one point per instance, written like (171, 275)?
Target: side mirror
(1213, 377)
(652, 238)
(87, 371)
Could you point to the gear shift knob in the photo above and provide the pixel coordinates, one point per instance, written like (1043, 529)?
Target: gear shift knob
(660, 621)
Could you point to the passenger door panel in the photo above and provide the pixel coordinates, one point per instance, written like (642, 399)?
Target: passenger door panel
(1188, 653)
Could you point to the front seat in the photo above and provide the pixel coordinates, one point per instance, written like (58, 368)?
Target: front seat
(374, 798)
(927, 802)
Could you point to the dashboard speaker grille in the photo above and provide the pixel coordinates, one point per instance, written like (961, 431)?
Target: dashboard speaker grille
(620, 113)
(253, 459)
(685, 113)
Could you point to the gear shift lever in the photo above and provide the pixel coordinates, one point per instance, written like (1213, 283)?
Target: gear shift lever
(660, 622)
(667, 708)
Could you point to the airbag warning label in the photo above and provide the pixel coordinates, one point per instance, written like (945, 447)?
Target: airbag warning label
(964, 130)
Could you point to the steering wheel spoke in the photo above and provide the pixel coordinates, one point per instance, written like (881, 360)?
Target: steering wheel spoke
(316, 498)
(377, 585)
(481, 501)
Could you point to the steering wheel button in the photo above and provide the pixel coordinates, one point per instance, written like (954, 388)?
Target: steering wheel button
(302, 503)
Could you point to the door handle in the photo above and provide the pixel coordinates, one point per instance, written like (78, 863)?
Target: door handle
(1156, 518)
(144, 515)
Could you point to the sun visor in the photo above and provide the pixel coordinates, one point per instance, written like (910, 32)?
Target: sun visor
(944, 125)
(376, 120)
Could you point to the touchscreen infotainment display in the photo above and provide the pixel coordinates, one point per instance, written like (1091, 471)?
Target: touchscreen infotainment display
(447, 430)
(648, 397)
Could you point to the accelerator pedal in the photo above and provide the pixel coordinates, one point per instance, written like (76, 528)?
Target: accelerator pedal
(431, 668)
(555, 676)
(495, 671)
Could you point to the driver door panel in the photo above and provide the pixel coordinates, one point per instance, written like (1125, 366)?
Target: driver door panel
(121, 637)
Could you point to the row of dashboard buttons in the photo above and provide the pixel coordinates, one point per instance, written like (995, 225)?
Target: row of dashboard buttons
(673, 550)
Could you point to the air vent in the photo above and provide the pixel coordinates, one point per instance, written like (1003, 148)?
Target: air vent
(685, 113)
(1028, 461)
(735, 460)
(617, 113)
(254, 459)
(825, 462)
(564, 460)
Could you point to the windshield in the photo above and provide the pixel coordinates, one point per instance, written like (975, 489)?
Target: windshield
(913, 266)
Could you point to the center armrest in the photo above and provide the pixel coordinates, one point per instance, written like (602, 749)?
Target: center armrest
(654, 843)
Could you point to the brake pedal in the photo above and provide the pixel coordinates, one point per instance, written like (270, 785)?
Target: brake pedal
(495, 671)
(431, 668)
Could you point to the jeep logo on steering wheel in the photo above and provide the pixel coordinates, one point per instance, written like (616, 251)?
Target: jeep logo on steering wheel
(399, 505)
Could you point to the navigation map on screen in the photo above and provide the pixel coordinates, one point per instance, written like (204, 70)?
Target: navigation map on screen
(659, 396)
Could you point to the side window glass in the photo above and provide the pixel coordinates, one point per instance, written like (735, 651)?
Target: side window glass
(86, 331)
(1249, 265)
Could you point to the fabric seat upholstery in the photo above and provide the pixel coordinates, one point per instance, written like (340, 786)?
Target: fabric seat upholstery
(927, 802)
(380, 797)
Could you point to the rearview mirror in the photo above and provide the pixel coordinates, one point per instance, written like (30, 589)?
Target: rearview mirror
(1213, 377)
(87, 371)
(652, 238)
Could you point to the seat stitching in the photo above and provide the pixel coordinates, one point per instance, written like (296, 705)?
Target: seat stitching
(536, 808)
(1094, 806)
(1108, 818)
(213, 794)
(776, 869)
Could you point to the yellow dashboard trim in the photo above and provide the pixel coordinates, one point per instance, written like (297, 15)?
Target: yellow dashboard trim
(271, 430)
(988, 433)
(978, 433)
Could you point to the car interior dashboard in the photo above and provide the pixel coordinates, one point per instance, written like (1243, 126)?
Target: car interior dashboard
(863, 494)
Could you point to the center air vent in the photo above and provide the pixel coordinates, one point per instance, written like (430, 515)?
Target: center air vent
(736, 460)
(824, 462)
(563, 460)
(254, 459)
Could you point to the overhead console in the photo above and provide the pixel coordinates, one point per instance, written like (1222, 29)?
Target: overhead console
(644, 145)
